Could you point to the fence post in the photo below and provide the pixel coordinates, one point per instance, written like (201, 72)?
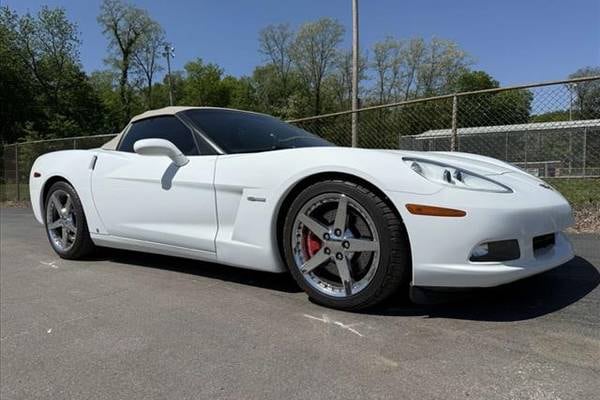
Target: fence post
(570, 152)
(506, 146)
(74, 144)
(539, 151)
(17, 172)
(584, 150)
(526, 144)
(454, 137)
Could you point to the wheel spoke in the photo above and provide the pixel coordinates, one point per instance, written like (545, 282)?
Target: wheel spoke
(65, 237)
(69, 226)
(54, 225)
(340, 215)
(319, 258)
(343, 267)
(314, 226)
(358, 245)
(56, 202)
(68, 205)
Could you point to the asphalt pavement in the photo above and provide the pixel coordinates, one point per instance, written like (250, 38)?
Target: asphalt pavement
(126, 325)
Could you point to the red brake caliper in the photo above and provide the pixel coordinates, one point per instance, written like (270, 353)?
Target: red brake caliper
(312, 244)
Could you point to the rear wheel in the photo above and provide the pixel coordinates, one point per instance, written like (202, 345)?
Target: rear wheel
(345, 246)
(66, 225)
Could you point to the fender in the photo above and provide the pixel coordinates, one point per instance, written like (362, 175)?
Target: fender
(73, 166)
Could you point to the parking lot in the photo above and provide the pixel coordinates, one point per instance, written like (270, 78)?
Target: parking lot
(128, 325)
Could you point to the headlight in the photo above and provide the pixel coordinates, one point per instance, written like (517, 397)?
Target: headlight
(455, 177)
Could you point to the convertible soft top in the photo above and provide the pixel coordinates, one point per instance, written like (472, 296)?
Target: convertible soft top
(112, 144)
(170, 110)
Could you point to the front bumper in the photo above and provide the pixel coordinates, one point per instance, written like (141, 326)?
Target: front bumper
(441, 246)
(487, 274)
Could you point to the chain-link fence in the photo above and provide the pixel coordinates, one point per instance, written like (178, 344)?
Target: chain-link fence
(19, 157)
(551, 129)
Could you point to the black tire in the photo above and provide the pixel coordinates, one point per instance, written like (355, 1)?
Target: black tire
(82, 244)
(394, 260)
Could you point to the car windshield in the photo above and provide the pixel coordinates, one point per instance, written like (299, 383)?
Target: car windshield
(243, 132)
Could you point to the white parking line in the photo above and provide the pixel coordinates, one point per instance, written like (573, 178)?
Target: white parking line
(326, 320)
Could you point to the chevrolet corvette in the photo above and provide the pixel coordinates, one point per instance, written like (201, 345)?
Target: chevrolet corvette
(352, 226)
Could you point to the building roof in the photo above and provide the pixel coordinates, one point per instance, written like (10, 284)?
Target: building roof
(534, 126)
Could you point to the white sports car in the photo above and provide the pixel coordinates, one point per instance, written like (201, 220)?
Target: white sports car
(351, 225)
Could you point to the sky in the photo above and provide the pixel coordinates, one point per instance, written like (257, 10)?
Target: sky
(517, 42)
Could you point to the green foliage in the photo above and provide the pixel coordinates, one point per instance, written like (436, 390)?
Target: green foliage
(579, 192)
(474, 80)
(43, 87)
(553, 116)
(15, 81)
(130, 31)
(587, 94)
(204, 85)
(314, 53)
(488, 109)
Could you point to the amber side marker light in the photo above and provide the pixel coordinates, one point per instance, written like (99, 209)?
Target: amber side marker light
(36, 174)
(420, 209)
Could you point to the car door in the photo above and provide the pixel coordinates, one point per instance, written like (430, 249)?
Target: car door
(149, 198)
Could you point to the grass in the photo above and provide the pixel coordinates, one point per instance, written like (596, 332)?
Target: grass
(578, 191)
(8, 192)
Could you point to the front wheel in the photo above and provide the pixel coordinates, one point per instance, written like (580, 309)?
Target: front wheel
(345, 246)
(66, 225)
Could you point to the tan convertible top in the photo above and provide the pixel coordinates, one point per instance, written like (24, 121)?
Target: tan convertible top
(172, 110)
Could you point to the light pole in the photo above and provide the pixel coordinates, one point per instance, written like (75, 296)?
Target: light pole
(169, 52)
(354, 73)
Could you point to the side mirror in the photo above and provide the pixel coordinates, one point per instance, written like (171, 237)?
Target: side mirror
(160, 147)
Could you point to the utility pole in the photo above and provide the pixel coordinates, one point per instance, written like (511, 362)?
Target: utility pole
(169, 52)
(354, 73)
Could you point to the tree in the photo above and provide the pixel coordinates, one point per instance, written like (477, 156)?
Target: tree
(268, 93)
(104, 83)
(242, 93)
(587, 94)
(46, 82)
(125, 26)
(443, 63)
(489, 108)
(146, 58)
(203, 85)
(416, 68)
(51, 50)
(469, 81)
(16, 90)
(551, 116)
(340, 80)
(314, 52)
(274, 43)
(413, 54)
(476, 109)
(387, 64)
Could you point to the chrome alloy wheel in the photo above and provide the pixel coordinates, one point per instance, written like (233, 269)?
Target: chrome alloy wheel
(335, 245)
(61, 222)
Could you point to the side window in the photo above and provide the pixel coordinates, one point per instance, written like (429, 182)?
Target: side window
(167, 127)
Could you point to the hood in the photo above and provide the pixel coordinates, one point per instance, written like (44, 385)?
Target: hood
(481, 165)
